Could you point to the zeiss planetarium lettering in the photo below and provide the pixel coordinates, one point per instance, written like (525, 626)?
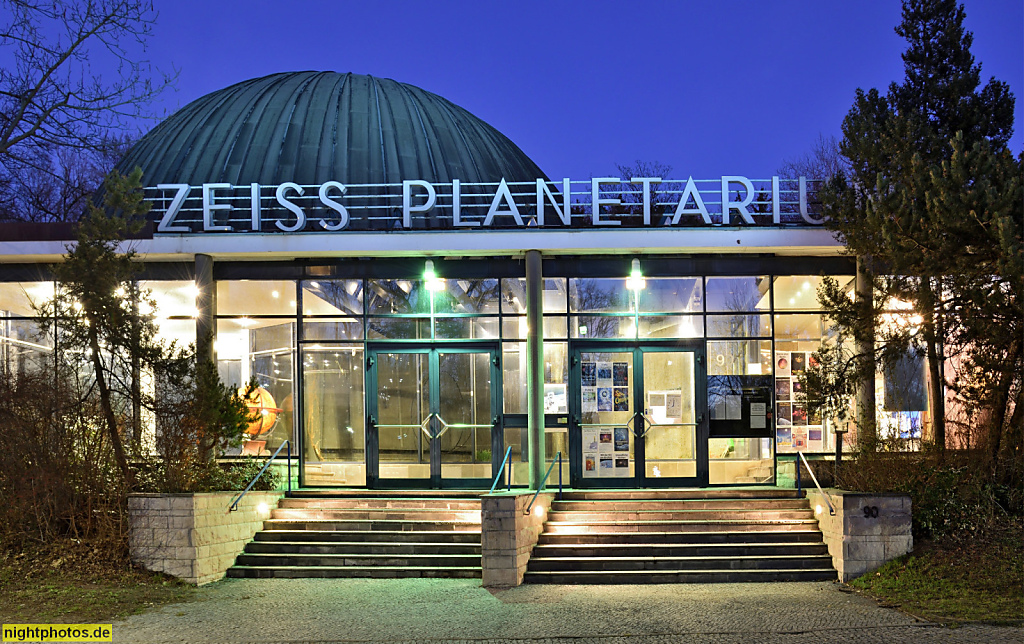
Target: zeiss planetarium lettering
(604, 202)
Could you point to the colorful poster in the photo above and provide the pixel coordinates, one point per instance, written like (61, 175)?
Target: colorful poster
(620, 397)
(621, 466)
(620, 374)
(589, 395)
(814, 433)
(607, 465)
(784, 437)
(589, 374)
(798, 390)
(590, 465)
(604, 399)
(782, 363)
(800, 414)
(799, 362)
(782, 388)
(621, 439)
(606, 441)
(604, 374)
(591, 451)
(814, 417)
(799, 438)
(785, 414)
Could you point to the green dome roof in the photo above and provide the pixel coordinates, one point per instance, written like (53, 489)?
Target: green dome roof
(313, 127)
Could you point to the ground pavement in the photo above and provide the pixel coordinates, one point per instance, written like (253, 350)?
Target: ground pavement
(433, 610)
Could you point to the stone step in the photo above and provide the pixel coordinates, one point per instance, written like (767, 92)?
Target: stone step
(678, 577)
(377, 514)
(714, 493)
(336, 493)
(361, 548)
(356, 525)
(631, 505)
(371, 536)
(333, 572)
(338, 560)
(735, 514)
(636, 563)
(592, 527)
(544, 550)
(675, 537)
(381, 503)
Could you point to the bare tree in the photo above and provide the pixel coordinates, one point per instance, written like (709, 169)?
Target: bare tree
(62, 120)
(823, 161)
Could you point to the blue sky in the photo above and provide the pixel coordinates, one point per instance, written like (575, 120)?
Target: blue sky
(708, 87)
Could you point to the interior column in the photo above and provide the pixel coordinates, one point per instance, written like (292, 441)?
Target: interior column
(535, 366)
(865, 340)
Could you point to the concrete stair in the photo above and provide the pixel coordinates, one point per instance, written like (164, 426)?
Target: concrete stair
(672, 536)
(367, 534)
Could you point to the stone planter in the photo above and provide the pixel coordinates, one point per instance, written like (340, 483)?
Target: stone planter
(193, 536)
(866, 531)
(508, 535)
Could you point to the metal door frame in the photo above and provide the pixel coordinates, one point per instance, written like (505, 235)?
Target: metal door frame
(432, 350)
(638, 349)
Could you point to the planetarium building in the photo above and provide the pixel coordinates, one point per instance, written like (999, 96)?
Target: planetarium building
(419, 300)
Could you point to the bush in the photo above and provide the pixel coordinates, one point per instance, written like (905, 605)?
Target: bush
(953, 495)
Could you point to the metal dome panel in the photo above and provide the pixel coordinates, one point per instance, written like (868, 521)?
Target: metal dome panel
(313, 127)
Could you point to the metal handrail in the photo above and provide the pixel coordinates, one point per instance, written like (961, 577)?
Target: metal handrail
(501, 470)
(288, 444)
(545, 480)
(831, 510)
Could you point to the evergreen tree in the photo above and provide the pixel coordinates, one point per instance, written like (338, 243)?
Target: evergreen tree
(933, 200)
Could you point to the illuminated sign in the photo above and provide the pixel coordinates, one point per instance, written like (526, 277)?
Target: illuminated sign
(605, 202)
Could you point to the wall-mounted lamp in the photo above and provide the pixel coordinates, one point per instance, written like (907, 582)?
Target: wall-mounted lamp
(635, 281)
(434, 283)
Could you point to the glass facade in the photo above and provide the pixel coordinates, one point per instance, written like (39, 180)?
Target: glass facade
(424, 379)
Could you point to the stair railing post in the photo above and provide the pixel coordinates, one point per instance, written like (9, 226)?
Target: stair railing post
(289, 467)
(796, 461)
(559, 476)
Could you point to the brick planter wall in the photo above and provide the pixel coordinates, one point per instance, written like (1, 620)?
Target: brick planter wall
(193, 536)
(508, 535)
(866, 531)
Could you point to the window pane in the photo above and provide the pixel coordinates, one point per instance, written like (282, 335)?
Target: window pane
(25, 346)
(339, 329)
(740, 460)
(255, 297)
(800, 292)
(739, 326)
(737, 293)
(603, 326)
(739, 358)
(483, 328)
(171, 298)
(556, 375)
(807, 326)
(397, 296)
(467, 296)
(513, 295)
(671, 295)
(332, 378)
(17, 299)
(671, 326)
(515, 328)
(332, 297)
(398, 328)
(604, 295)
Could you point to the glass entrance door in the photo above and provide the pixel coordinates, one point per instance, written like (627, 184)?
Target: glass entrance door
(432, 416)
(638, 417)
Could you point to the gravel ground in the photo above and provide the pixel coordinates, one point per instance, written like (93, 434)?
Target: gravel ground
(432, 610)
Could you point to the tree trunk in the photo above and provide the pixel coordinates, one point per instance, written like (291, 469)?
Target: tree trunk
(1000, 404)
(936, 398)
(106, 406)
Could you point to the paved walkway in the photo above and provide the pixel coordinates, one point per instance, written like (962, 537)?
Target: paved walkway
(433, 610)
